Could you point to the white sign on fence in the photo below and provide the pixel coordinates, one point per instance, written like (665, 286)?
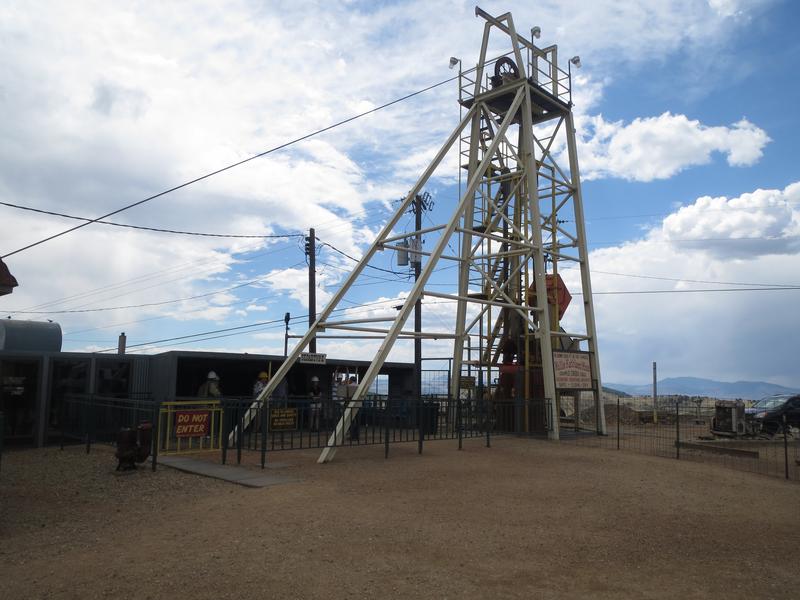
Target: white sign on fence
(573, 370)
(310, 358)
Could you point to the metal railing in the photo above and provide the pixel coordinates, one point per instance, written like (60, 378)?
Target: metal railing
(678, 428)
(542, 71)
(300, 423)
(92, 418)
(522, 417)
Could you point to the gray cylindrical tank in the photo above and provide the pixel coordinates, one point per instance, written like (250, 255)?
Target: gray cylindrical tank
(30, 336)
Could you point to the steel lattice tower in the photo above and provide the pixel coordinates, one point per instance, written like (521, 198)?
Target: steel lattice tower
(520, 223)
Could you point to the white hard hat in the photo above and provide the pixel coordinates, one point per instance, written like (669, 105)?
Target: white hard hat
(212, 375)
(315, 379)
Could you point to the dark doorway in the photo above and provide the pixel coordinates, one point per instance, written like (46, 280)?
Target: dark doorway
(19, 384)
(113, 378)
(68, 377)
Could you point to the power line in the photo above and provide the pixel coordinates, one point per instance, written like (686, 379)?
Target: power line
(277, 325)
(183, 337)
(786, 204)
(751, 289)
(765, 287)
(112, 325)
(145, 277)
(336, 222)
(238, 328)
(335, 249)
(373, 277)
(146, 304)
(156, 229)
(214, 337)
(763, 238)
(683, 280)
(140, 289)
(233, 165)
(336, 225)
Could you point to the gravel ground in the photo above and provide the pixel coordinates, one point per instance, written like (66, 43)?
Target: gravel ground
(523, 519)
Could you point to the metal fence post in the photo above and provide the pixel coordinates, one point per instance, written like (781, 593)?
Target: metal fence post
(156, 433)
(387, 417)
(459, 423)
(89, 423)
(617, 423)
(488, 422)
(225, 416)
(785, 449)
(678, 428)
(263, 434)
(239, 431)
(420, 424)
(62, 417)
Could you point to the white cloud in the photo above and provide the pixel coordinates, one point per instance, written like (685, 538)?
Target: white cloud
(294, 282)
(256, 307)
(659, 147)
(731, 336)
(107, 104)
(730, 8)
(758, 223)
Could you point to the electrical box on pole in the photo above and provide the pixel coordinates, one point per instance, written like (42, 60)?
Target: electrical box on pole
(402, 253)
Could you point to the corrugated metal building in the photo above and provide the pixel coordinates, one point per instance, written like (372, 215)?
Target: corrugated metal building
(34, 383)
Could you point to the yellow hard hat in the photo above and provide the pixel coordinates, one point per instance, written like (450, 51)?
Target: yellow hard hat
(263, 375)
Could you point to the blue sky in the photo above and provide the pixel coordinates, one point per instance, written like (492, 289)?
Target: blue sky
(676, 101)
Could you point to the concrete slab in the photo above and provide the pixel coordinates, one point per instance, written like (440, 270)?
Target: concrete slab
(229, 473)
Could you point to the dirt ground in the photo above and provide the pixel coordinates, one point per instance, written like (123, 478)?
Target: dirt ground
(523, 519)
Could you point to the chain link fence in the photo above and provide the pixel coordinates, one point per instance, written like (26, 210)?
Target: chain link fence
(684, 428)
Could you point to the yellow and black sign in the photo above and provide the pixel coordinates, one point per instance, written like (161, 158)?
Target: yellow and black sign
(283, 419)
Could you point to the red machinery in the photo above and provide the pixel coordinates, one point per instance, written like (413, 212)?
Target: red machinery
(557, 294)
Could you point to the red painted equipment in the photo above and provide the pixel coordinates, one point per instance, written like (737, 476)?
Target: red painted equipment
(557, 292)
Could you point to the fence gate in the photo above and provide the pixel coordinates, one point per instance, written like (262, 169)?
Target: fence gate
(186, 427)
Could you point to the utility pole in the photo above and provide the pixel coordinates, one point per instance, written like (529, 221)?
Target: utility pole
(418, 306)
(421, 202)
(311, 253)
(286, 318)
(655, 396)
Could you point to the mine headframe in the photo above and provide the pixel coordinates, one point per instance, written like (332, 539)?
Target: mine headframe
(518, 220)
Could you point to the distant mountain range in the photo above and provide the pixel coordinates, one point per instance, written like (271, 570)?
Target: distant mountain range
(695, 386)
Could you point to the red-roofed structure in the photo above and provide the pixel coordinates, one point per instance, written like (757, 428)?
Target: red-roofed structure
(7, 280)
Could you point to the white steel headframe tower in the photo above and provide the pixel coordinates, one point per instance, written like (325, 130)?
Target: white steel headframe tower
(520, 217)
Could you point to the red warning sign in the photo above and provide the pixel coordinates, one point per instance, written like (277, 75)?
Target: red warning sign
(192, 423)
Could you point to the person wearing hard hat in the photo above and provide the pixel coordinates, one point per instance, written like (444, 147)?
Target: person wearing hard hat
(315, 407)
(210, 387)
(260, 384)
